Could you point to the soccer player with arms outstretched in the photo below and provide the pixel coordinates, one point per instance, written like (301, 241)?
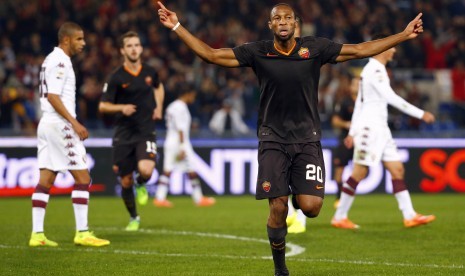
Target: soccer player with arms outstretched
(60, 139)
(135, 94)
(289, 154)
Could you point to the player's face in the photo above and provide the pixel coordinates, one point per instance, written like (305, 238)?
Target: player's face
(132, 49)
(282, 22)
(76, 42)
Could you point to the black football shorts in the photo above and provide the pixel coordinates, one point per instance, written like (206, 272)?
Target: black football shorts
(126, 157)
(290, 168)
(342, 155)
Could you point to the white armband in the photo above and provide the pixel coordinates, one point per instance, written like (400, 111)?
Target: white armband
(176, 26)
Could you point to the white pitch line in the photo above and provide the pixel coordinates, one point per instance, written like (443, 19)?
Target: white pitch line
(154, 253)
(453, 266)
(294, 249)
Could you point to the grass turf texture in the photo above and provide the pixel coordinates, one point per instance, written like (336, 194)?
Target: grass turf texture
(230, 239)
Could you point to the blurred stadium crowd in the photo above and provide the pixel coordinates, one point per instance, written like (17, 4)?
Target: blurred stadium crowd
(28, 32)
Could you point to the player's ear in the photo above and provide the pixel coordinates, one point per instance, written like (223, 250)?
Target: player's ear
(269, 24)
(121, 51)
(66, 40)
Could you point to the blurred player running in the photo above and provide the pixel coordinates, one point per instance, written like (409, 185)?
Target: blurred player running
(341, 120)
(135, 94)
(178, 151)
(372, 138)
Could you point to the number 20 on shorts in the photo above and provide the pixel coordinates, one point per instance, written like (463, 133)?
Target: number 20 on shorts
(314, 173)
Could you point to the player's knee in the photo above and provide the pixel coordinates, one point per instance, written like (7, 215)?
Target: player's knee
(127, 181)
(279, 207)
(398, 172)
(311, 208)
(146, 173)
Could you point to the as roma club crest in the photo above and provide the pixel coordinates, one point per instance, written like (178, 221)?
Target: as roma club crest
(304, 52)
(266, 186)
(148, 80)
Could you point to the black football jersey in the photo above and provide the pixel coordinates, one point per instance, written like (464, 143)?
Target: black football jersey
(288, 107)
(125, 87)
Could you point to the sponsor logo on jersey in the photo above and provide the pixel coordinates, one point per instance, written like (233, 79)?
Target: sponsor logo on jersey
(304, 52)
(266, 186)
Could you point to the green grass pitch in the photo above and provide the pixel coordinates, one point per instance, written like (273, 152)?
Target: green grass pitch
(230, 239)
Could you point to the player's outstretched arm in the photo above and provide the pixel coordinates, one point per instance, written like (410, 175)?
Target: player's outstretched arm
(224, 57)
(371, 48)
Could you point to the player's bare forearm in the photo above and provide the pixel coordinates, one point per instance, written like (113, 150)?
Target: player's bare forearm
(110, 108)
(337, 122)
(224, 57)
(159, 95)
(60, 108)
(371, 48)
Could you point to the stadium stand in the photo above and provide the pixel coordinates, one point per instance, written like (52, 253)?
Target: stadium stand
(422, 72)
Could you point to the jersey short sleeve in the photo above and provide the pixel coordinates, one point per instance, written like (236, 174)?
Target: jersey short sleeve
(109, 91)
(330, 50)
(245, 53)
(156, 79)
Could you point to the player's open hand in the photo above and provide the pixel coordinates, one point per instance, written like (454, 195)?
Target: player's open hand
(349, 142)
(428, 117)
(128, 109)
(415, 27)
(167, 18)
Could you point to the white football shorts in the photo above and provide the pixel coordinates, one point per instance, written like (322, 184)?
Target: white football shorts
(373, 144)
(170, 158)
(59, 147)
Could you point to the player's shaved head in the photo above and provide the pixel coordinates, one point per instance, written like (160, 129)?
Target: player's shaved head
(280, 5)
(67, 30)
